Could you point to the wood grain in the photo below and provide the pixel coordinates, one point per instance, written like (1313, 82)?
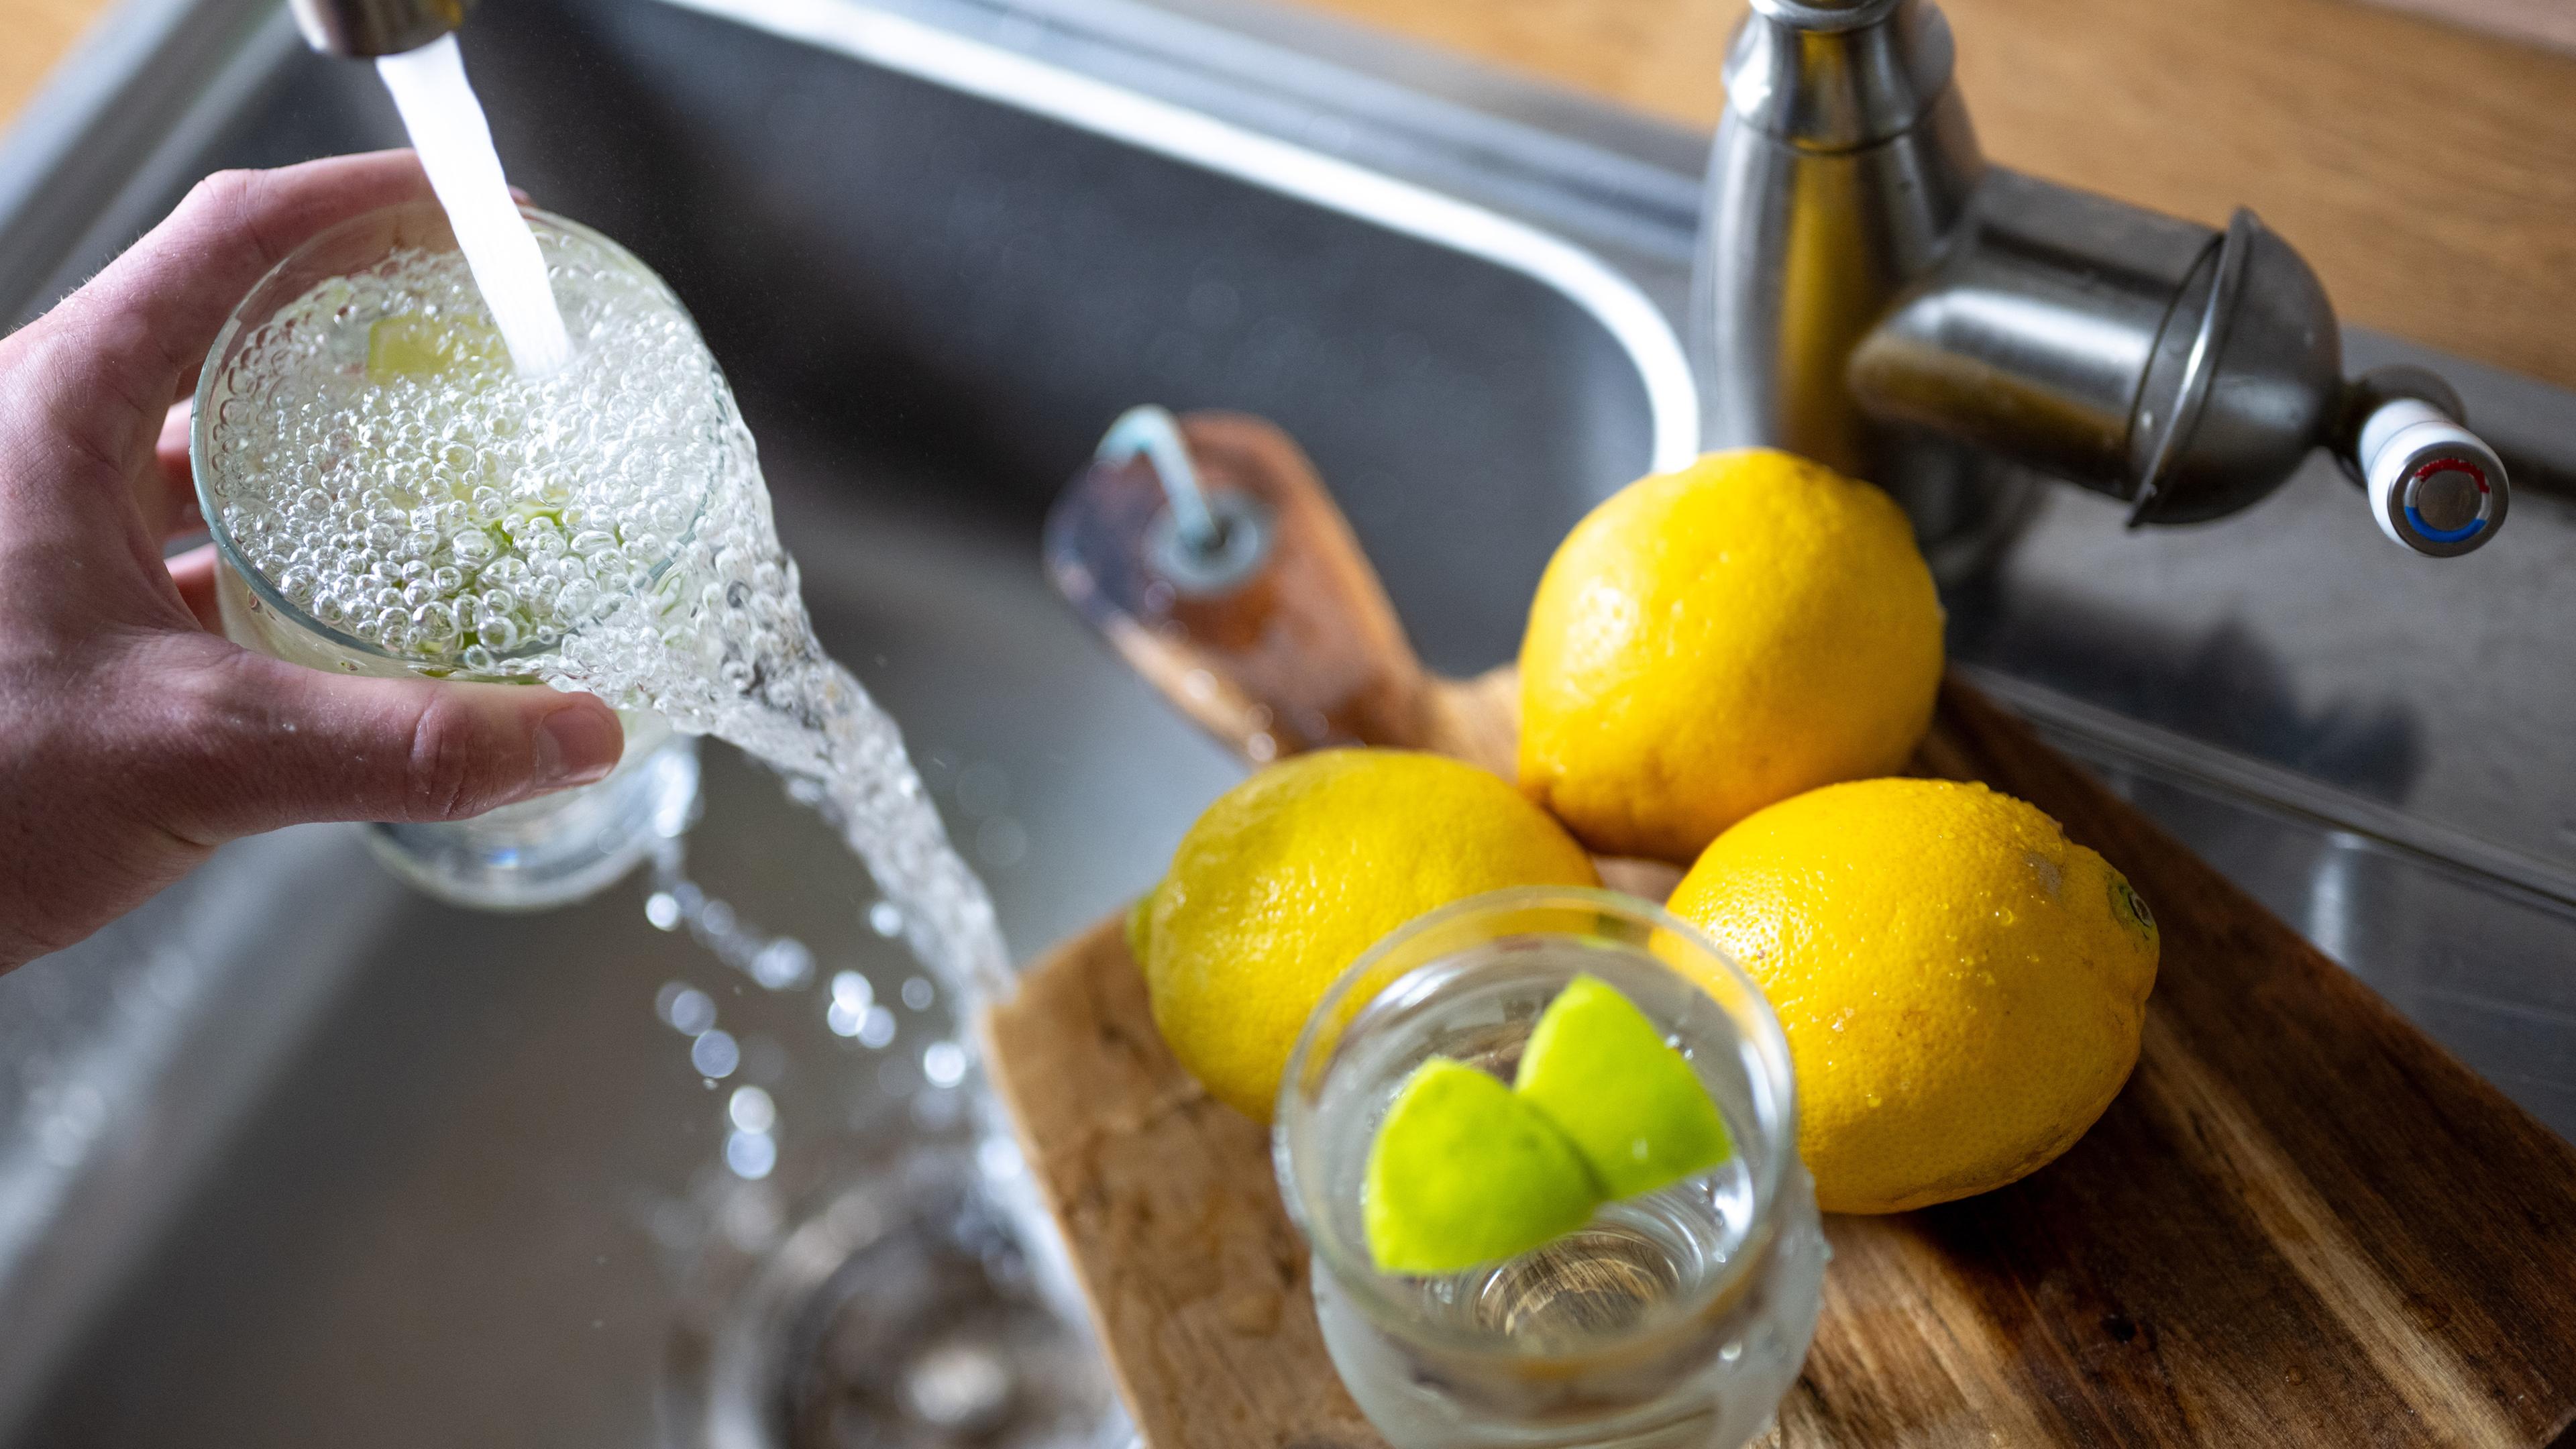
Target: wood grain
(2300, 1225)
(1196, 1278)
(2544, 22)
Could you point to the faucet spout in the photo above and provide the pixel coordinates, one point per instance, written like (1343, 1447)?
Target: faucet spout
(2182, 370)
(365, 29)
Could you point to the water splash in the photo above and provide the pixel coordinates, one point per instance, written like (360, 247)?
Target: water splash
(604, 527)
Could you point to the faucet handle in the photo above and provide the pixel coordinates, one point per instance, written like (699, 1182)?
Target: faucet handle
(2435, 487)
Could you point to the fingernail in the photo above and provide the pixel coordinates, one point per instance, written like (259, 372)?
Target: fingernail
(576, 746)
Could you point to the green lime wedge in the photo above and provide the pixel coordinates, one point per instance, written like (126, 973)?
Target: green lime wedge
(1464, 1172)
(408, 345)
(1627, 1101)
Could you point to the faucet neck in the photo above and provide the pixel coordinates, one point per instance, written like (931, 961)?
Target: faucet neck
(1824, 76)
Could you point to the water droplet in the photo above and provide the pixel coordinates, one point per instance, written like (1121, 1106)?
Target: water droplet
(751, 1109)
(782, 963)
(943, 1064)
(714, 1054)
(751, 1155)
(688, 1010)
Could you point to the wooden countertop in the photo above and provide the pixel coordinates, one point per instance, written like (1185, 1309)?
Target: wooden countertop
(2426, 169)
(37, 33)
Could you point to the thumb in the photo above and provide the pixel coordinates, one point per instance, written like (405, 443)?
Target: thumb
(292, 744)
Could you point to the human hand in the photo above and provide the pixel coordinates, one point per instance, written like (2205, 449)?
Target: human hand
(133, 737)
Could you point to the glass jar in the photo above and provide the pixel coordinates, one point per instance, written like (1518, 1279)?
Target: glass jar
(1675, 1319)
(533, 854)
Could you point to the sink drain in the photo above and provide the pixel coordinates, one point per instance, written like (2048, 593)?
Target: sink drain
(905, 1315)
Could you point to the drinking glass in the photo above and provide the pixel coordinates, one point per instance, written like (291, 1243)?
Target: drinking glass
(1676, 1320)
(531, 855)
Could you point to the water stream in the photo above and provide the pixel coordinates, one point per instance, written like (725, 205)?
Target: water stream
(448, 130)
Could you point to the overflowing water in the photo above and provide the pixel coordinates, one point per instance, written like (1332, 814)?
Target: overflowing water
(591, 513)
(602, 526)
(447, 129)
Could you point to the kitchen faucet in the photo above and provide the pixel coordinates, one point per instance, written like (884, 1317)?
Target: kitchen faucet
(1871, 293)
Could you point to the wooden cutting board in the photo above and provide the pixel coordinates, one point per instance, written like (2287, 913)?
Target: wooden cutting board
(2302, 1223)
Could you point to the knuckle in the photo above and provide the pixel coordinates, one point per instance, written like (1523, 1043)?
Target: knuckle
(223, 194)
(226, 210)
(207, 703)
(453, 768)
(202, 730)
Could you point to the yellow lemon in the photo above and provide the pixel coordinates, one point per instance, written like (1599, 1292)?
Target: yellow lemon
(1292, 874)
(1710, 641)
(1962, 986)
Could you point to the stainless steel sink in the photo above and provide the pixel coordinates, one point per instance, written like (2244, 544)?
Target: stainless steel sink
(292, 1157)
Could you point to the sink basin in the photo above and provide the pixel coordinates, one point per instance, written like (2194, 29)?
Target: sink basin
(293, 1157)
(464, 1183)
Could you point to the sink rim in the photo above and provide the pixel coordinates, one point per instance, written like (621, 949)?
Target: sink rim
(884, 35)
